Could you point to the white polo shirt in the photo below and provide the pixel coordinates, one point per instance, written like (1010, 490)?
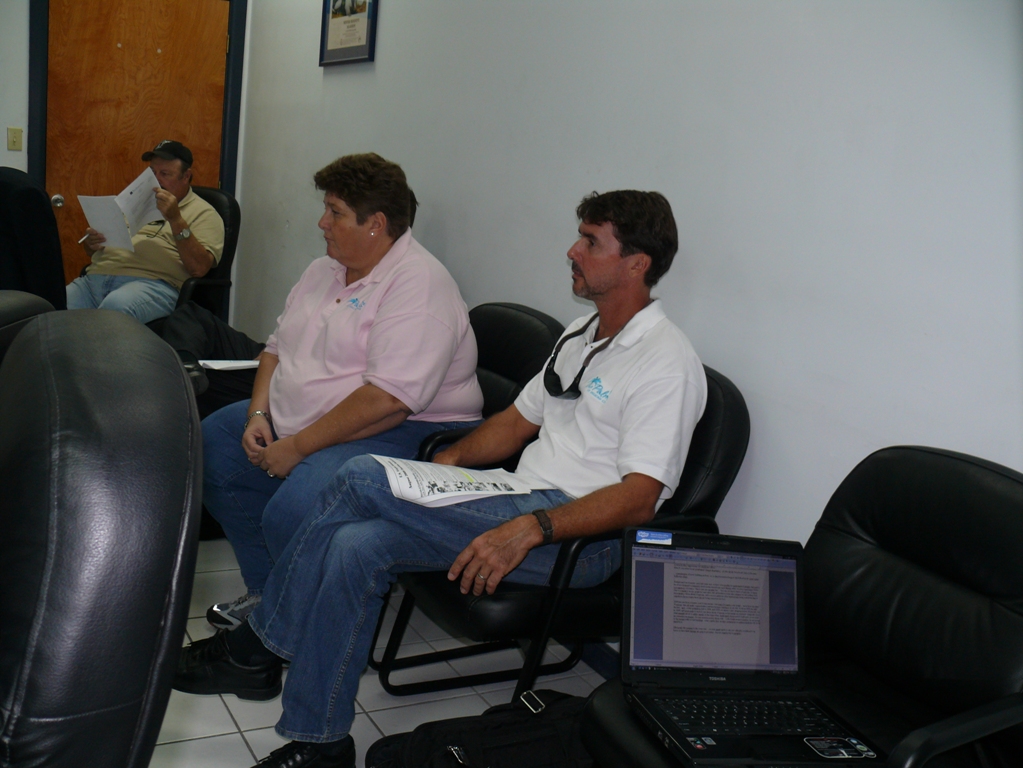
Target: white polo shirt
(641, 398)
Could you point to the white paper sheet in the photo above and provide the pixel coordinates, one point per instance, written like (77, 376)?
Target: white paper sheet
(437, 485)
(138, 201)
(106, 216)
(229, 365)
(119, 217)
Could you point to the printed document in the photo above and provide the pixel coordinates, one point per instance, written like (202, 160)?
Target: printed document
(437, 485)
(120, 217)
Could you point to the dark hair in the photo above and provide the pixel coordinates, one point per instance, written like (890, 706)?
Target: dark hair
(368, 184)
(641, 221)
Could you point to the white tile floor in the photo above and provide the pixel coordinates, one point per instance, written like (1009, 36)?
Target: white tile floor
(225, 732)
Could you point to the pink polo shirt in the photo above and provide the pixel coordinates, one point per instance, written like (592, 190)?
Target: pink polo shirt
(403, 328)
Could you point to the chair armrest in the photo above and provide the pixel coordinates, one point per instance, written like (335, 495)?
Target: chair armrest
(434, 441)
(188, 287)
(568, 555)
(924, 743)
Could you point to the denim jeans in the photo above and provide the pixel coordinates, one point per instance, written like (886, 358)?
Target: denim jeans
(322, 600)
(260, 513)
(143, 298)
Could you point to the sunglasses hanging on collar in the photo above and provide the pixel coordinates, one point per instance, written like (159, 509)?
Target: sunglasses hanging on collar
(551, 379)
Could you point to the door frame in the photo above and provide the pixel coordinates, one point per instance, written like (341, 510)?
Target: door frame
(38, 64)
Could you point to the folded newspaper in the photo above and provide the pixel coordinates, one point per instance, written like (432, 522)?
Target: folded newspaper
(437, 485)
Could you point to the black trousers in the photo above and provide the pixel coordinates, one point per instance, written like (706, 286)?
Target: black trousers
(196, 333)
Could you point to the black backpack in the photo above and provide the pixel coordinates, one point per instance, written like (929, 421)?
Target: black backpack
(540, 730)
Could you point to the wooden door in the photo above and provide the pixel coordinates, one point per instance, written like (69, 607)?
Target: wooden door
(123, 76)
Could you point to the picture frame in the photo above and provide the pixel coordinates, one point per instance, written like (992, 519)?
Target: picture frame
(348, 31)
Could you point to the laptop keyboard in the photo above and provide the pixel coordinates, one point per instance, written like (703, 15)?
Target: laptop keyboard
(750, 717)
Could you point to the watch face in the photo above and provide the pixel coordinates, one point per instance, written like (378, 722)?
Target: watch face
(184, 234)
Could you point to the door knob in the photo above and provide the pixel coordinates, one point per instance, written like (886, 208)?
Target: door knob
(58, 201)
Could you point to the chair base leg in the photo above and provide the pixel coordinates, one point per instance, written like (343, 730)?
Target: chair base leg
(464, 681)
(390, 662)
(371, 662)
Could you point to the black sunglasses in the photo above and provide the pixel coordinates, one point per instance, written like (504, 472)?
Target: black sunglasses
(551, 380)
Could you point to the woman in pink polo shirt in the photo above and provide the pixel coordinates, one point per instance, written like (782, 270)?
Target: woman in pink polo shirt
(372, 353)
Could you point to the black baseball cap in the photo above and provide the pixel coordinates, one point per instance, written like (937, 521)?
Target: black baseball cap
(170, 150)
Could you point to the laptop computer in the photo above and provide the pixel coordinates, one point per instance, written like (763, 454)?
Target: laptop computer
(713, 655)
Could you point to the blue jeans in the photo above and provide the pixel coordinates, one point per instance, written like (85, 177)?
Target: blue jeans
(322, 600)
(260, 513)
(141, 297)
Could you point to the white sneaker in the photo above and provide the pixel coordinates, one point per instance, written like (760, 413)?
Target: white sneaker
(231, 615)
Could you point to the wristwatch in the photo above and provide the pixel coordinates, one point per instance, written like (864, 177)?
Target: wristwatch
(183, 234)
(546, 527)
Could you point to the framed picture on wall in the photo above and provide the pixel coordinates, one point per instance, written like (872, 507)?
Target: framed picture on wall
(349, 31)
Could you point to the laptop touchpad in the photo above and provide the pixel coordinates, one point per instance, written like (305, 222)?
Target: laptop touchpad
(780, 748)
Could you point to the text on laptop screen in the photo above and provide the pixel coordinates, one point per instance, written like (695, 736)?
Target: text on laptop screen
(708, 609)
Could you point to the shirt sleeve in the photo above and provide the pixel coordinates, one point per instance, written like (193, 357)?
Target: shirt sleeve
(208, 229)
(296, 289)
(529, 403)
(414, 338)
(657, 426)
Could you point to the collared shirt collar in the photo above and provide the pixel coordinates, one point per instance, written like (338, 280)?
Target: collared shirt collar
(385, 265)
(637, 326)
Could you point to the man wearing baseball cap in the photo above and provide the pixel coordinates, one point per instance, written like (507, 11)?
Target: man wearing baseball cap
(187, 242)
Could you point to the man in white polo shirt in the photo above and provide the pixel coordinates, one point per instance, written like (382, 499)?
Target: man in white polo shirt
(612, 414)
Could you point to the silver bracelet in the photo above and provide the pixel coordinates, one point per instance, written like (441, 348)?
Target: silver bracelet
(264, 414)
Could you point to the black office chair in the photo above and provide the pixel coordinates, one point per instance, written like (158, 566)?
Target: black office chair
(100, 465)
(17, 308)
(513, 342)
(527, 616)
(914, 596)
(213, 290)
(30, 256)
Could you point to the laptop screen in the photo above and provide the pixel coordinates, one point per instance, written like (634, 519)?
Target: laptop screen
(709, 605)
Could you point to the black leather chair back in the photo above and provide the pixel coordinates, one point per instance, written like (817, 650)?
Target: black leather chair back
(514, 343)
(213, 290)
(915, 570)
(716, 451)
(16, 309)
(100, 465)
(30, 256)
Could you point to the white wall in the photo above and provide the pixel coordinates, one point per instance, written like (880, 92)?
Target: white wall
(14, 79)
(846, 176)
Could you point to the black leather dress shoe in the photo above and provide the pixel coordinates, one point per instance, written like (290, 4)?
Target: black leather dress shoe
(302, 754)
(206, 667)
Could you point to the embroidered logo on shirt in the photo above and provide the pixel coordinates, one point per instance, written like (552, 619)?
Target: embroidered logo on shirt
(596, 389)
(356, 304)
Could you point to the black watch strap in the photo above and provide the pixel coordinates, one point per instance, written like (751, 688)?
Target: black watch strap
(545, 525)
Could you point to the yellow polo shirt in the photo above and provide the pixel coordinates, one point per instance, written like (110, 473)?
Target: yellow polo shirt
(156, 252)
